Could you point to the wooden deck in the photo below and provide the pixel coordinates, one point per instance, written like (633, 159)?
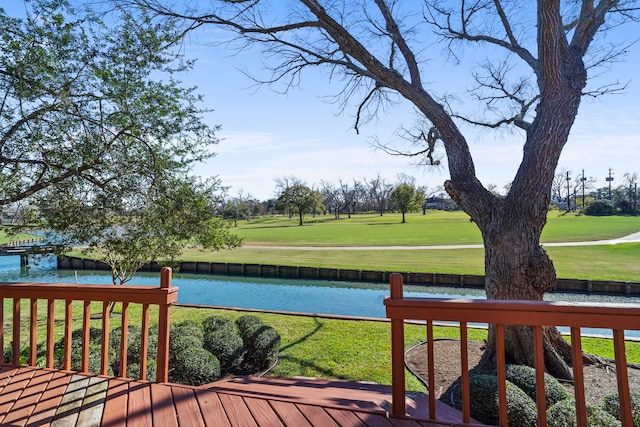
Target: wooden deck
(44, 397)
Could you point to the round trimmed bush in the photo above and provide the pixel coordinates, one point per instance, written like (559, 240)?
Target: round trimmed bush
(188, 327)
(483, 395)
(133, 370)
(611, 404)
(248, 325)
(182, 342)
(563, 414)
(217, 323)
(262, 347)
(227, 346)
(135, 341)
(195, 366)
(525, 378)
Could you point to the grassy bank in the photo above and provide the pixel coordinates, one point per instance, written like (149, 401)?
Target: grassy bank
(607, 262)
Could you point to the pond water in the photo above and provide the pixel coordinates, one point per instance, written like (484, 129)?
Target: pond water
(288, 295)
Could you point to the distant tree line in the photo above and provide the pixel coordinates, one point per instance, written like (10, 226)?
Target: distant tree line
(294, 197)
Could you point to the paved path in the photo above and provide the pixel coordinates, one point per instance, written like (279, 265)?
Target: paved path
(631, 238)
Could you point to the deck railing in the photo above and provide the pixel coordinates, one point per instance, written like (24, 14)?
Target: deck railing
(163, 297)
(617, 317)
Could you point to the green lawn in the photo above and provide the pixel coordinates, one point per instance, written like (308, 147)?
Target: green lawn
(434, 228)
(603, 262)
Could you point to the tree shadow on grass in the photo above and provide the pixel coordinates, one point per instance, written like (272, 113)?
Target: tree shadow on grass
(303, 362)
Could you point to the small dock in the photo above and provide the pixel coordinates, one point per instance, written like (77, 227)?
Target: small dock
(24, 248)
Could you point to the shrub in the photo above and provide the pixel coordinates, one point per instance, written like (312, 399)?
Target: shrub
(600, 208)
(525, 378)
(217, 323)
(135, 341)
(182, 342)
(261, 342)
(188, 327)
(133, 370)
(227, 346)
(116, 337)
(563, 414)
(483, 395)
(611, 404)
(195, 366)
(247, 326)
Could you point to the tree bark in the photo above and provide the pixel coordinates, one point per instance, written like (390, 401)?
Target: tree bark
(518, 268)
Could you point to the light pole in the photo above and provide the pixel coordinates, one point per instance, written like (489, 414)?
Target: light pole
(568, 193)
(609, 179)
(583, 179)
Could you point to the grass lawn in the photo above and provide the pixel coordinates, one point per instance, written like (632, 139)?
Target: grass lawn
(434, 228)
(603, 262)
(608, 262)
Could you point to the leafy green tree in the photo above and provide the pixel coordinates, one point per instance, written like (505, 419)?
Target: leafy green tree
(530, 65)
(407, 198)
(301, 199)
(87, 100)
(127, 231)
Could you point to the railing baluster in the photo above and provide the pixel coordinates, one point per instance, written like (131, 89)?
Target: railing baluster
(86, 328)
(464, 361)
(104, 359)
(398, 404)
(623, 378)
(578, 377)
(431, 377)
(124, 339)
(50, 332)
(33, 331)
(162, 368)
(2, 327)
(144, 341)
(66, 364)
(541, 398)
(16, 331)
(502, 376)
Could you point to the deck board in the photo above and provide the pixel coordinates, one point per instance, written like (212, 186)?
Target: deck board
(162, 406)
(237, 411)
(28, 400)
(139, 405)
(44, 397)
(290, 414)
(187, 407)
(49, 400)
(212, 409)
(14, 389)
(115, 408)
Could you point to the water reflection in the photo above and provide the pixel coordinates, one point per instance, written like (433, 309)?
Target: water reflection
(306, 296)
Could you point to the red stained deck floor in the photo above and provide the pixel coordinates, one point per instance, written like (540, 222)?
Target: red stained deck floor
(41, 397)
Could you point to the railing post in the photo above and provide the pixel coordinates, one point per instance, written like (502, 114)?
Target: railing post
(398, 406)
(162, 374)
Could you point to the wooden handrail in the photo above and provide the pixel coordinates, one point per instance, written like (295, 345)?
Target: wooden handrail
(537, 314)
(163, 297)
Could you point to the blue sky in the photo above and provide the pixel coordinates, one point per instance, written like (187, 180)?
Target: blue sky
(267, 134)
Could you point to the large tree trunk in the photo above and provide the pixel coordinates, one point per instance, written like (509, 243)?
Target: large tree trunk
(517, 268)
